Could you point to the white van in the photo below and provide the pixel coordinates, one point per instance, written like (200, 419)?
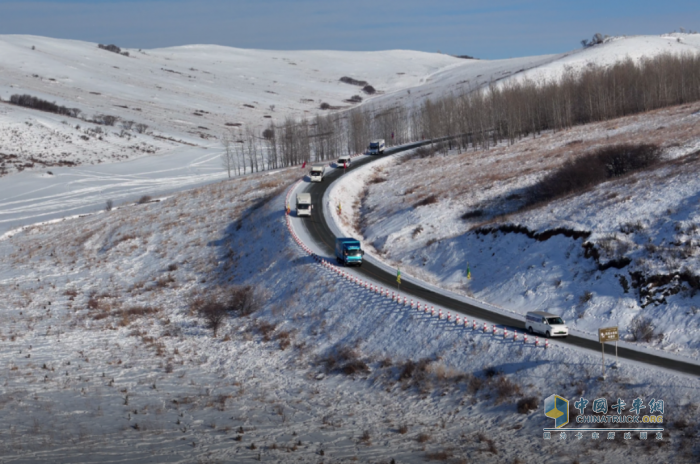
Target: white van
(547, 324)
(317, 172)
(303, 204)
(343, 161)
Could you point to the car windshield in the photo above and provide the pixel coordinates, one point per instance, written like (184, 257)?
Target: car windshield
(373, 145)
(555, 321)
(354, 252)
(302, 206)
(316, 172)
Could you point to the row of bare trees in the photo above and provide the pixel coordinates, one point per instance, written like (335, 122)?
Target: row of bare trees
(478, 118)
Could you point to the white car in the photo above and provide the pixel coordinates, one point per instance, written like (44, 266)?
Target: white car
(547, 324)
(343, 161)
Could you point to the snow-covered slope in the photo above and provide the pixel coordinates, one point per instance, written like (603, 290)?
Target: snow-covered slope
(420, 214)
(104, 361)
(481, 73)
(187, 97)
(190, 93)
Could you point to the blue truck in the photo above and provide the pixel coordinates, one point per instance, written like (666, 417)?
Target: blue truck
(348, 251)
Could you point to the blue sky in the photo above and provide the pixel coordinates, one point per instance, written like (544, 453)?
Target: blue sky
(489, 30)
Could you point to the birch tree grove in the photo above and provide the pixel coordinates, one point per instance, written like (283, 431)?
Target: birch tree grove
(476, 118)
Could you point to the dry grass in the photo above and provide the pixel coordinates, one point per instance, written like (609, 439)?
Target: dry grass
(479, 170)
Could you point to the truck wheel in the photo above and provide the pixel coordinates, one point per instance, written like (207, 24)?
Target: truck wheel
(547, 334)
(529, 329)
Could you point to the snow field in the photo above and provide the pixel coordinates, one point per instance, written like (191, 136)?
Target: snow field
(119, 286)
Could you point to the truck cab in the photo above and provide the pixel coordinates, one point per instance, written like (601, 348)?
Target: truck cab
(348, 251)
(317, 171)
(303, 204)
(376, 147)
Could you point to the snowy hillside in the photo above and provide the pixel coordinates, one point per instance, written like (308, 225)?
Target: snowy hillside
(105, 360)
(184, 95)
(185, 98)
(424, 214)
(481, 73)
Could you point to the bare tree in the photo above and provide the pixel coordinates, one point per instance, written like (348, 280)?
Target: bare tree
(214, 314)
(228, 156)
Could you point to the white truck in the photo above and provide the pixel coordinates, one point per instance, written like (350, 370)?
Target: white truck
(376, 147)
(303, 204)
(317, 171)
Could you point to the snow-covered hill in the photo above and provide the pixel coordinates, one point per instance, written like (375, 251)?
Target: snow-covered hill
(187, 97)
(104, 360)
(421, 215)
(190, 93)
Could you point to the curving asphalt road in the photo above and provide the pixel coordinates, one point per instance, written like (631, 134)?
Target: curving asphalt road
(320, 232)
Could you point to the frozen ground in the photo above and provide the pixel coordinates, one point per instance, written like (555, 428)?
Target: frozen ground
(104, 361)
(649, 218)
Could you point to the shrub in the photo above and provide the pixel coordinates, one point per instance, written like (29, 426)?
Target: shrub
(29, 101)
(243, 300)
(141, 128)
(354, 99)
(594, 168)
(113, 48)
(350, 80)
(429, 200)
(369, 90)
(472, 214)
(106, 119)
(506, 389)
(345, 360)
(325, 106)
(109, 205)
(642, 329)
(528, 404)
(144, 199)
(214, 314)
(585, 298)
